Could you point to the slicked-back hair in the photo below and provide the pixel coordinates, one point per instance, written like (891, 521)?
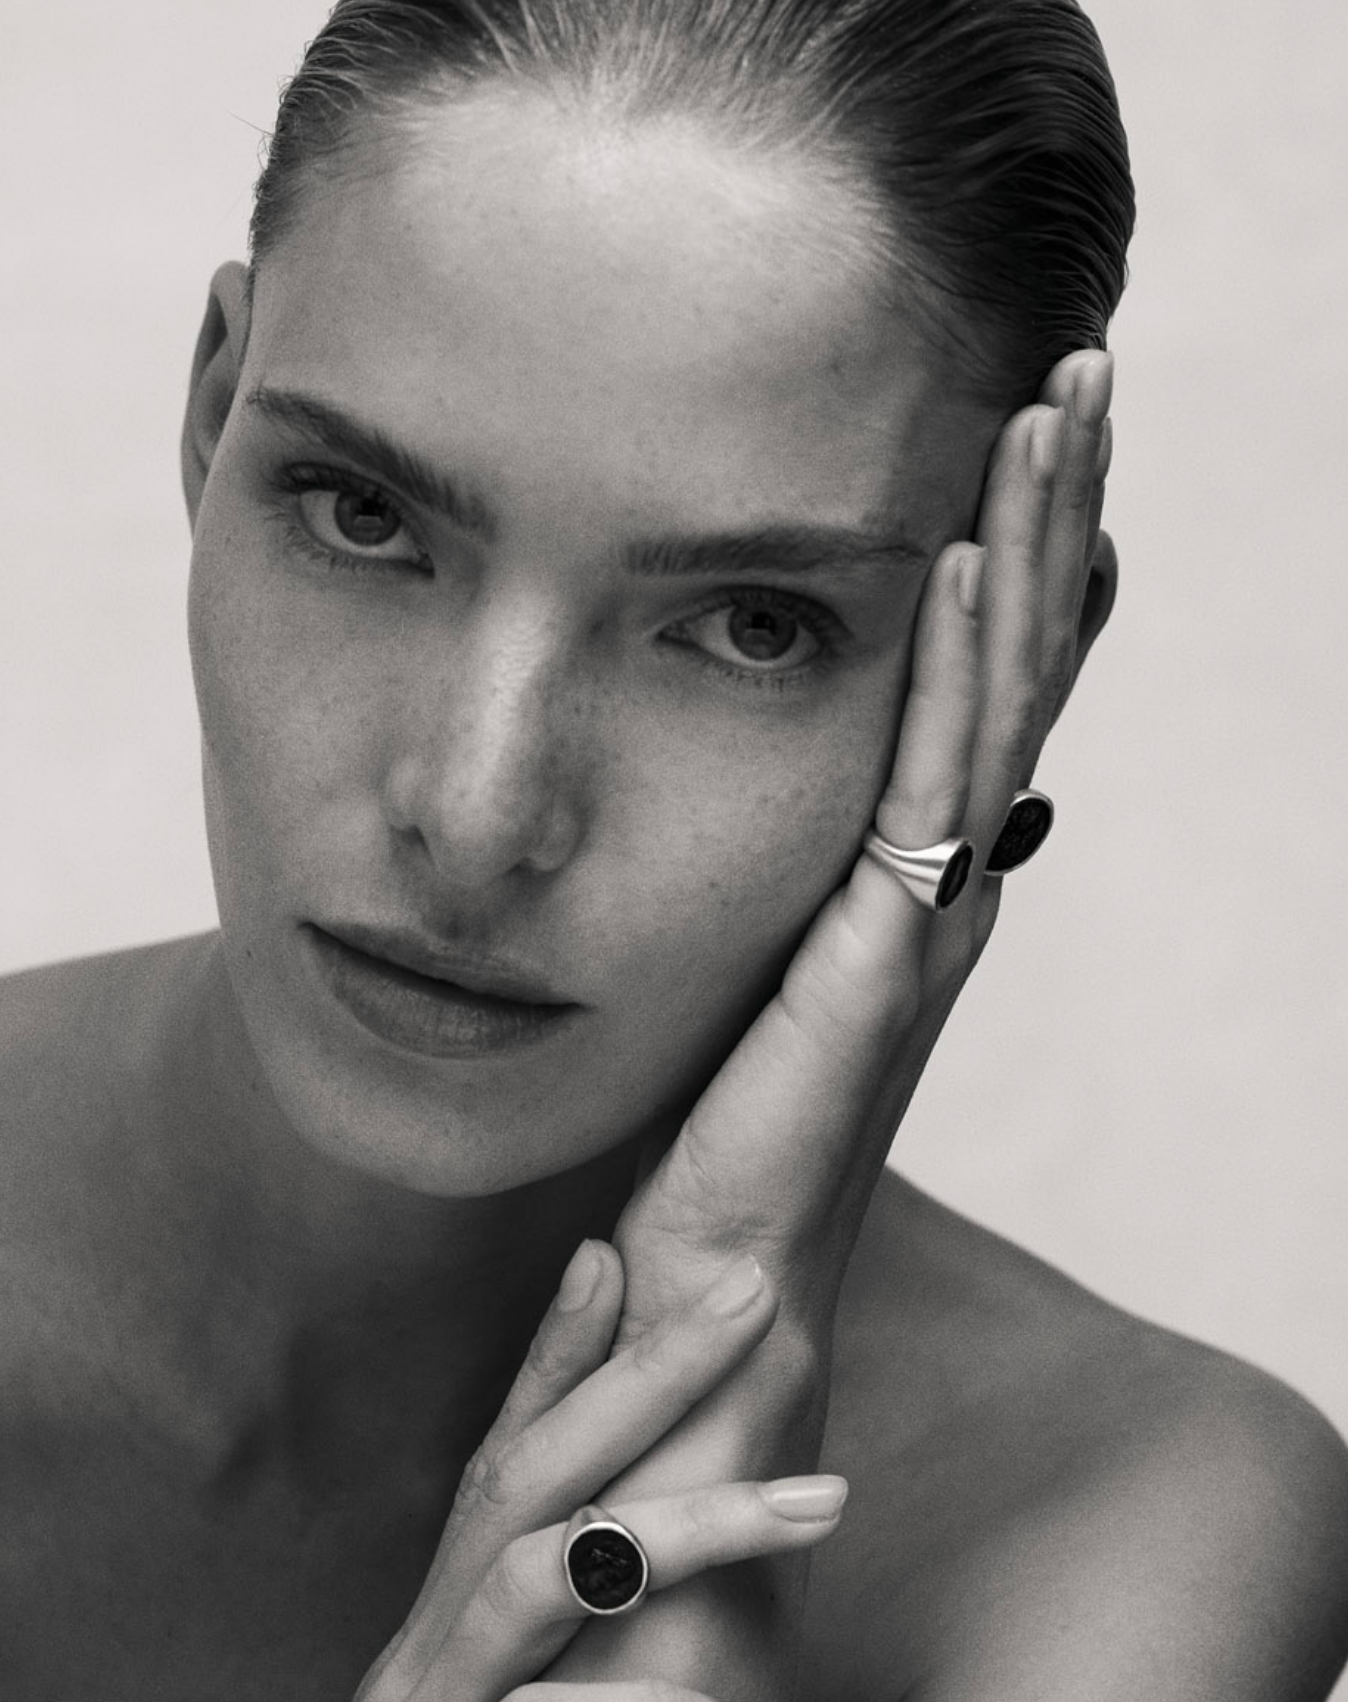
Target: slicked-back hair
(984, 134)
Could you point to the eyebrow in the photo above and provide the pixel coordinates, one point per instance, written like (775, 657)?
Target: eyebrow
(789, 548)
(409, 473)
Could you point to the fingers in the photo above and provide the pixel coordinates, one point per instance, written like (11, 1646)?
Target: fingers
(863, 961)
(525, 1478)
(652, 1690)
(1038, 586)
(573, 1340)
(766, 1146)
(928, 790)
(1017, 507)
(523, 1613)
(628, 1404)
(1083, 386)
(814, 1091)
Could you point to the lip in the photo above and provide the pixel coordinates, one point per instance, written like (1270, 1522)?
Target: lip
(437, 1003)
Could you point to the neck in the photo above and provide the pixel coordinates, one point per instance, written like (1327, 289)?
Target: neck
(338, 1289)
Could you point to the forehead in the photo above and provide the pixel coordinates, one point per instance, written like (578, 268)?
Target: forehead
(642, 320)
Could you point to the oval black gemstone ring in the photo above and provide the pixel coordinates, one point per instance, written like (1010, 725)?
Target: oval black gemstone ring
(1026, 828)
(606, 1567)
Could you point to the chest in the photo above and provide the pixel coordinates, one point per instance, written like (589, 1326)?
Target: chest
(137, 1568)
(128, 1573)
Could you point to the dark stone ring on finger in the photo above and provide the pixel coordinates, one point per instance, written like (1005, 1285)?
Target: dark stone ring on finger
(606, 1567)
(935, 877)
(1027, 826)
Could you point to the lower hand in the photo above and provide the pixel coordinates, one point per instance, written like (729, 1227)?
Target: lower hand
(496, 1608)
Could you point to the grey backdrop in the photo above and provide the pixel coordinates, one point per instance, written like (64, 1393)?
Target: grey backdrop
(1145, 1081)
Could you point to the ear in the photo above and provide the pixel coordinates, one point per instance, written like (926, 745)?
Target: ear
(215, 377)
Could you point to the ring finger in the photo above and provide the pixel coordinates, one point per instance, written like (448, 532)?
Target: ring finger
(523, 1612)
(1017, 508)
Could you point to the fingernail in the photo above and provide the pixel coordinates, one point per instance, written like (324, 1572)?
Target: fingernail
(580, 1279)
(1105, 454)
(970, 573)
(1093, 389)
(806, 1498)
(1046, 437)
(736, 1289)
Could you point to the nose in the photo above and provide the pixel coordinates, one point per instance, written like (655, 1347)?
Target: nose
(484, 779)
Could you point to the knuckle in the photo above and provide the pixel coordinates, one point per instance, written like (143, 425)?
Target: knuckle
(470, 1484)
(492, 1477)
(1076, 496)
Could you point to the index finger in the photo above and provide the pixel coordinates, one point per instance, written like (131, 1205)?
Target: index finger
(1083, 386)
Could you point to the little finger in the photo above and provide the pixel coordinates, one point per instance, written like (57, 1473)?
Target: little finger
(1083, 385)
(1016, 513)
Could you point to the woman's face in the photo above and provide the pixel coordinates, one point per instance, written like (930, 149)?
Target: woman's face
(553, 590)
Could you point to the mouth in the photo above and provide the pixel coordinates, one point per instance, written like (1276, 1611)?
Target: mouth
(435, 1003)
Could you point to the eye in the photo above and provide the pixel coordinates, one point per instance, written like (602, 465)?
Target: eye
(757, 632)
(357, 519)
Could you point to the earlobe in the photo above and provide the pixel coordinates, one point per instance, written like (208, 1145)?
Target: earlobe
(215, 376)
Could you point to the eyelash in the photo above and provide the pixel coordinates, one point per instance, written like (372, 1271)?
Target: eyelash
(303, 477)
(820, 623)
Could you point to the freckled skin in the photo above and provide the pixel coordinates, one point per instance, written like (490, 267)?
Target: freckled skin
(609, 339)
(239, 1383)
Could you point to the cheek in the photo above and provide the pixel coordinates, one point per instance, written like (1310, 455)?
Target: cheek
(755, 833)
(280, 739)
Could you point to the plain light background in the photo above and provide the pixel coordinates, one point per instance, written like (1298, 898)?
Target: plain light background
(1145, 1081)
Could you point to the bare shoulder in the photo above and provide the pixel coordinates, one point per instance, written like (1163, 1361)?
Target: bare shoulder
(72, 1037)
(1053, 1500)
(59, 1020)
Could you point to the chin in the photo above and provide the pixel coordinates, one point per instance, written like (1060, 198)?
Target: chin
(448, 1128)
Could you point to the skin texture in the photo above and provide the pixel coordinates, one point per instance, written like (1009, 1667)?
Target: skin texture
(272, 1279)
(515, 756)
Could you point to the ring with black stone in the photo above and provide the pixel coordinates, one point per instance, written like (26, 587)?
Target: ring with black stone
(606, 1567)
(1026, 828)
(934, 876)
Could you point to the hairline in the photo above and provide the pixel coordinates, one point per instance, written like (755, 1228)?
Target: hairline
(952, 326)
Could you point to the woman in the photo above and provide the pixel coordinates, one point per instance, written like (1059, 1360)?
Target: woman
(574, 479)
